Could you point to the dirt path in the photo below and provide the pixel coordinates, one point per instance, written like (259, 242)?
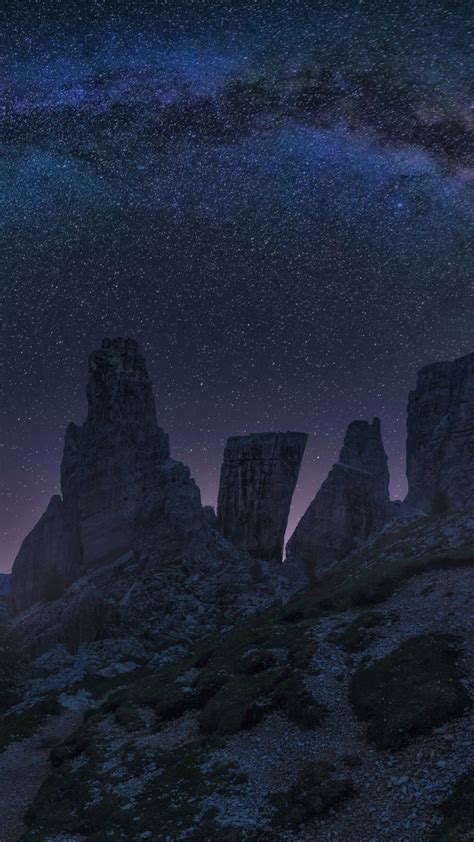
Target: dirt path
(23, 767)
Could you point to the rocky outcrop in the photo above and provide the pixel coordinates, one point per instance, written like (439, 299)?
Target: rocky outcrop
(351, 504)
(440, 435)
(110, 464)
(258, 478)
(128, 550)
(363, 448)
(5, 581)
(43, 566)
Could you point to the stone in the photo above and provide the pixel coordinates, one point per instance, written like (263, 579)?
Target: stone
(352, 503)
(440, 435)
(258, 478)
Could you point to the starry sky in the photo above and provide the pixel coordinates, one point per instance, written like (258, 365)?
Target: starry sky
(274, 198)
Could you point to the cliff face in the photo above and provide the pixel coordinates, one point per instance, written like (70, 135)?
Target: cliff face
(110, 464)
(258, 478)
(5, 588)
(440, 434)
(363, 448)
(352, 502)
(129, 548)
(43, 566)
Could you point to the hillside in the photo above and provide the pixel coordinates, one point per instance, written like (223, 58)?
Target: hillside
(345, 714)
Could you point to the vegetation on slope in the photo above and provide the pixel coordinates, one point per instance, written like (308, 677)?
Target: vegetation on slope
(316, 790)
(353, 584)
(458, 812)
(411, 691)
(226, 685)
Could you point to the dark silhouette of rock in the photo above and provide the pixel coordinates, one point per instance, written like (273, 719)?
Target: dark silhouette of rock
(440, 435)
(109, 467)
(110, 464)
(352, 502)
(43, 566)
(363, 448)
(5, 588)
(258, 478)
(128, 550)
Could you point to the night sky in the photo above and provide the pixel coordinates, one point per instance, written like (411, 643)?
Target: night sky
(273, 198)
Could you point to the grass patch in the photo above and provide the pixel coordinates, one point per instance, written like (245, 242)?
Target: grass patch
(82, 798)
(458, 812)
(316, 791)
(232, 680)
(99, 686)
(19, 726)
(291, 696)
(410, 691)
(238, 674)
(240, 704)
(351, 586)
(358, 635)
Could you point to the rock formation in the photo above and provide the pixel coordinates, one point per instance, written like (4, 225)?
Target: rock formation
(352, 502)
(128, 549)
(5, 580)
(258, 478)
(109, 468)
(44, 565)
(440, 435)
(363, 448)
(110, 464)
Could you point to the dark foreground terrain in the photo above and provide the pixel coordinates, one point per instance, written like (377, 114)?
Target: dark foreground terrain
(345, 714)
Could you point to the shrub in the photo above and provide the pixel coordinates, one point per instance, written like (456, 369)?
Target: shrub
(458, 812)
(357, 636)
(18, 726)
(297, 702)
(240, 704)
(410, 691)
(315, 792)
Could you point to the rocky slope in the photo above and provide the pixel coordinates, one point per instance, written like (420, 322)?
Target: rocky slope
(352, 502)
(258, 478)
(346, 714)
(440, 434)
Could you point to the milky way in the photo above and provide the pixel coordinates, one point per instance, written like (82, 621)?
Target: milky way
(274, 199)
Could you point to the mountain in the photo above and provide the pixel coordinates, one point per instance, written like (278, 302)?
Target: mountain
(128, 548)
(182, 688)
